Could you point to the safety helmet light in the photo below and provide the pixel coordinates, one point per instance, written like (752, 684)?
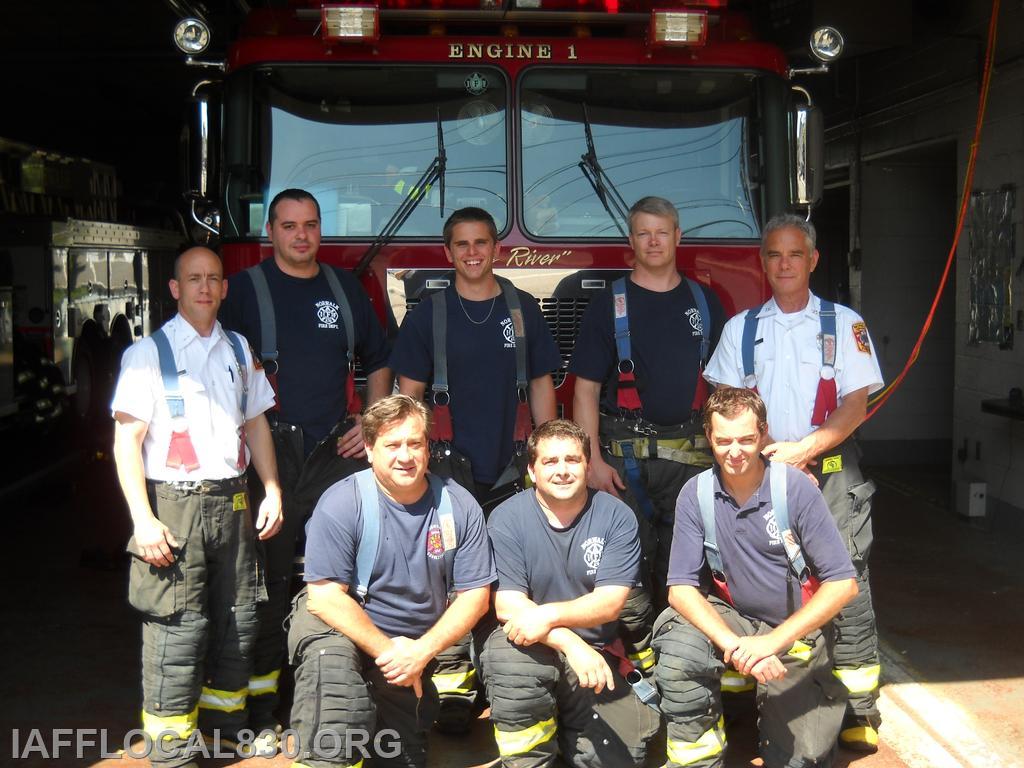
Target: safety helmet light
(192, 36)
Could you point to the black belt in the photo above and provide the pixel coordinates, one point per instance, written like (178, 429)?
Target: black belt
(201, 486)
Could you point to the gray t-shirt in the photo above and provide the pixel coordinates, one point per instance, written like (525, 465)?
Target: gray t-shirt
(753, 555)
(549, 565)
(408, 589)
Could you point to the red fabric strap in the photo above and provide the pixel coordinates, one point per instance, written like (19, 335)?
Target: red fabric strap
(618, 650)
(355, 403)
(628, 397)
(824, 401)
(700, 393)
(524, 423)
(722, 590)
(441, 426)
(180, 452)
(241, 447)
(808, 588)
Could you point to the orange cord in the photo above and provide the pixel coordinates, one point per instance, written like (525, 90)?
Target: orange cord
(879, 399)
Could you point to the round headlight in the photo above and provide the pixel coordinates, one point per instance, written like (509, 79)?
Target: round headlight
(826, 43)
(192, 36)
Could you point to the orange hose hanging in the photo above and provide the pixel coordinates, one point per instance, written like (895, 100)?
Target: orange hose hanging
(879, 399)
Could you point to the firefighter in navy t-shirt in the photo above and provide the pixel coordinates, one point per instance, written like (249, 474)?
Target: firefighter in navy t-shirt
(775, 588)
(643, 341)
(364, 639)
(290, 311)
(485, 352)
(567, 557)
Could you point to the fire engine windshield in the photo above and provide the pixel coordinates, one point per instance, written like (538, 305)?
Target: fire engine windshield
(360, 138)
(683, 135)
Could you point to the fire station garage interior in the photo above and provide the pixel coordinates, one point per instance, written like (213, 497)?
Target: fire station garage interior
(918, 221)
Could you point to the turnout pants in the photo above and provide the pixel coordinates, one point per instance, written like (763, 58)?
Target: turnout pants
(799, 716)
(856, 654)
(344, 710)
(665, 458)
(455, 678)
(199, 615)
(302, 480)
(538, 709)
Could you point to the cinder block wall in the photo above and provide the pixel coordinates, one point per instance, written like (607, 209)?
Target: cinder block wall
(994, 444)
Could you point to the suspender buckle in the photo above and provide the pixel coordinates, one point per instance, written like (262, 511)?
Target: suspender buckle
(440, 397)
(750, 381)
(271, 367)
(828, 372)
(626, 366)
(523, 394)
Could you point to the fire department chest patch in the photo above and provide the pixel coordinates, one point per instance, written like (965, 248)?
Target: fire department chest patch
(860, 335)
(593, 548)
(435, 545)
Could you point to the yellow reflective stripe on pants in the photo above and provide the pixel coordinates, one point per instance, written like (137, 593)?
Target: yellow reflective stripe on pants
(863, 680)
(800, 650)
(181, 726)
(455, 682)
(519, 742)
(683, 450)
(708, 745)
(734, 682)
(644, 659)
(861, 734)
(224, 701)
(263, 684)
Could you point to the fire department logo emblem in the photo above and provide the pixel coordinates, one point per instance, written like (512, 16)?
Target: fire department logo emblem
(327, 314)
(696, 322)
(435, 544)
(593, 548)
(771, 527)
(509, 332)
(476, 84)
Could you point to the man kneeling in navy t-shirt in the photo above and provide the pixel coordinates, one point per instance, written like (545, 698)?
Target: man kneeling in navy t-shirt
(385, 548)
(765, 546)
(567, 557)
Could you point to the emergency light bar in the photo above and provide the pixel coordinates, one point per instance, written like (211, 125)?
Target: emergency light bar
(614, 6)
(678, 28)
(350, 23)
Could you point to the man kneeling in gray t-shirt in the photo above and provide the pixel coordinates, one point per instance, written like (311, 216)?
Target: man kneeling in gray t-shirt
(566, 557)
(384, 550)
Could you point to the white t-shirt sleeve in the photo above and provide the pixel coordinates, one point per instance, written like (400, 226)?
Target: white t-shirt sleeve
(857, 355)
(138, 385)
(726, 364)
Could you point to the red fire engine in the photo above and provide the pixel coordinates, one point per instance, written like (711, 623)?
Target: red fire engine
(553, 115)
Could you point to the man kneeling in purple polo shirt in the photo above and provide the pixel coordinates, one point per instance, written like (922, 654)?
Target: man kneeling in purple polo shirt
(754, 588)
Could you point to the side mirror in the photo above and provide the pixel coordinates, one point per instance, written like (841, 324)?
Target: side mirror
(807, 169)
(201, 155)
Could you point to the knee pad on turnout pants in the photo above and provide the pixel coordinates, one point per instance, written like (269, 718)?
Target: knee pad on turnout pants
(688, 673)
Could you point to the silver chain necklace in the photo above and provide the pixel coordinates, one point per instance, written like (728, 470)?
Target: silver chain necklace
(476, 322)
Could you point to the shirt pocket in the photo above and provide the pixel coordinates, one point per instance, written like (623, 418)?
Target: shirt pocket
(764, 362)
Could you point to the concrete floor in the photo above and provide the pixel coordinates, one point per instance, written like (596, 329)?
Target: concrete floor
(949, 597)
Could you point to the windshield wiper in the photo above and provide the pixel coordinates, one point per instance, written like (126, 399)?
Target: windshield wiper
(603, 186)
(435, 172)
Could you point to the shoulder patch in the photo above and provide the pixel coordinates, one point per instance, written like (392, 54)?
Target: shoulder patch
(860, 335)
(256, 362)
